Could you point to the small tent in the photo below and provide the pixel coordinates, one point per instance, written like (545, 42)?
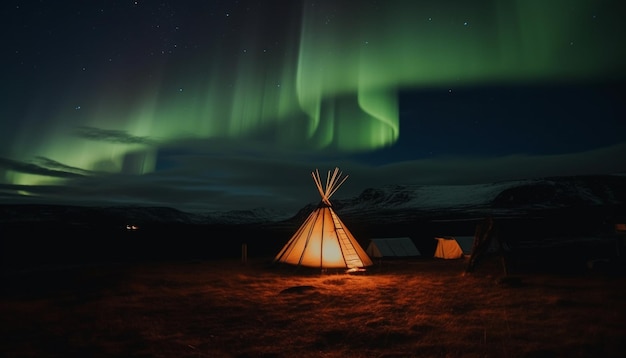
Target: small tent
(448, 248)
(466, 243)
(323, 241)
(392, 247)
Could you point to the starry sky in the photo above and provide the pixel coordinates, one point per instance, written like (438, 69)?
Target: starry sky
(223, 105)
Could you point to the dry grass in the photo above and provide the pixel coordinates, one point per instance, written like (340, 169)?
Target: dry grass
(412, 308)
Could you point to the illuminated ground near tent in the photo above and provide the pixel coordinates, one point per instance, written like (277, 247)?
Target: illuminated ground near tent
(411, 308)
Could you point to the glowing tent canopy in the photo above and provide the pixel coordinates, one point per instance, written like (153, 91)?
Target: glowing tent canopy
(448, 248)
(323, 241)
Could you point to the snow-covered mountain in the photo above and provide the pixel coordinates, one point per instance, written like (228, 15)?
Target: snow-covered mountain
(397, 204)
(544, 212)
(401, 204)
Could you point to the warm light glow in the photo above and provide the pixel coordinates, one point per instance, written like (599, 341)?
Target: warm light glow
(323, 240)
(448, 248)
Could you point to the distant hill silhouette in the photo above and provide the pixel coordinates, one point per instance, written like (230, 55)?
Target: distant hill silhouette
(539, 211)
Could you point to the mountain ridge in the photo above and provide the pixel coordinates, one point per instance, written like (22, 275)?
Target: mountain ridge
(579, 213)
(398, 203)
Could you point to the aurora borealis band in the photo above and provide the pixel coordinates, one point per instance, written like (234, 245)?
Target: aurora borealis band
(104, 98)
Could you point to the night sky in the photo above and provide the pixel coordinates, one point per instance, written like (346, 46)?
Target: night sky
(220, 105)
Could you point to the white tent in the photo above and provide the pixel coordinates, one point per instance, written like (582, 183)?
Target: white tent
(323, 240)
(448, 248)
(392, 247)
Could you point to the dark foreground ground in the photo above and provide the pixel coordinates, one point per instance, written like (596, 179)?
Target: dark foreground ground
(420, 307)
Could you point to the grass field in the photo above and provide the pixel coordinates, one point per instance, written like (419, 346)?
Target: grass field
(226, 308)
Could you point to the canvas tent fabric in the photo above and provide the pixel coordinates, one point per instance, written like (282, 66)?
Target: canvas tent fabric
(392, 247)
(466, 243)
(448, 248)
(323, 240)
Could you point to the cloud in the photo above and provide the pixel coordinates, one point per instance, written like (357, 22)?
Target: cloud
(111, 136)
(476, 170)
(40, 168)
(206, 182)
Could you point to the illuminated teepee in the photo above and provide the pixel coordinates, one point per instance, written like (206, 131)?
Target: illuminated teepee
(323, 241)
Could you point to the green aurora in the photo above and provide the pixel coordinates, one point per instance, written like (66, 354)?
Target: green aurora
(332, 83)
